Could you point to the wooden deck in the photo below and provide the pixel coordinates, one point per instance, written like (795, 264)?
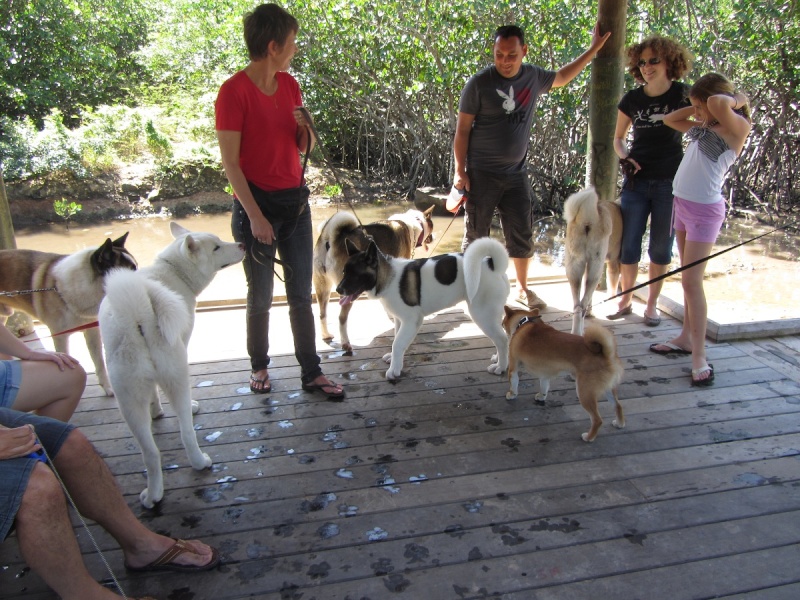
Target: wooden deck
(437, 487)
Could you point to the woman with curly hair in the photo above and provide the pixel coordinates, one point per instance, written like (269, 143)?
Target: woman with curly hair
(649, 163)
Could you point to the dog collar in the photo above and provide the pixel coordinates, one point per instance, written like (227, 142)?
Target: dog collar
(526, 320)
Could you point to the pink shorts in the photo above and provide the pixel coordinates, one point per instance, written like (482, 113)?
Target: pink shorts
(701, 222)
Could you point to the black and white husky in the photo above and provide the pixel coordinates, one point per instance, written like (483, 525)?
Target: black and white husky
(411, 289)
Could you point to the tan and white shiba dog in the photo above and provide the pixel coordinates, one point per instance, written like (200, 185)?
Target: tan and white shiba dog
(72, 287)
(546, 352)
(146, 320)
(594, 235)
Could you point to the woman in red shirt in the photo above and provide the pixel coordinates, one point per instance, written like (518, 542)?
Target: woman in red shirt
(261, 132)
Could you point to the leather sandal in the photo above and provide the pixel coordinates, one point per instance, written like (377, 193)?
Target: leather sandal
(620, 313)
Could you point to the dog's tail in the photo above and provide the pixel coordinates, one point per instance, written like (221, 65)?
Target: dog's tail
(485, 257)
(341, 221)
(582, 206)
(602, 340)
(139, 301)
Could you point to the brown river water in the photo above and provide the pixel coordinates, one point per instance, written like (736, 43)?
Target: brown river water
(758, 281)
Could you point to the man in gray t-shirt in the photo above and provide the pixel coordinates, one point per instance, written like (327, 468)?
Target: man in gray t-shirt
(495, 115)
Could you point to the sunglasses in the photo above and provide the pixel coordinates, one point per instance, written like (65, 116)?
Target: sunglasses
(653, 61)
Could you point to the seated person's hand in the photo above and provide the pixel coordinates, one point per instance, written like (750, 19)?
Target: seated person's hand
(17, 442)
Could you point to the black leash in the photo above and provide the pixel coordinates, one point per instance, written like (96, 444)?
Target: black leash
(695, 263)
(256, 253)
(328, 162)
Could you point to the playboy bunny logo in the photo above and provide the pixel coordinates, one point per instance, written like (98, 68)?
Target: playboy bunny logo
(508, 100)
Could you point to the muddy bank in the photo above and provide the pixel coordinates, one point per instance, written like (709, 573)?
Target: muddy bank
(132, 192)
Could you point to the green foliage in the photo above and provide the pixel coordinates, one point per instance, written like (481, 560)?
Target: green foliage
(333, 191)
(382, 78)
(67, 54)
(66, 209)
(157, 142)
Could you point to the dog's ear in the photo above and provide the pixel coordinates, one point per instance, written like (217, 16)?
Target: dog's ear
(104, 255)
(120, 241)
(508, 309)
(429, 211)
(535, 312)
(372, 254)
(177, 230)
(350, 247)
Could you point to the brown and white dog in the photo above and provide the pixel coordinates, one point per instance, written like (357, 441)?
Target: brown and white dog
(546, 352)
(399, 236)
(74, 284)
(594, 236)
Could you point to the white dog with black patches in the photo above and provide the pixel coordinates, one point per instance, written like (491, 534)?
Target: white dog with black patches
(411, 289)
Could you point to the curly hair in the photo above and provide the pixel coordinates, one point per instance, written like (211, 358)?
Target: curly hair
(675, 55)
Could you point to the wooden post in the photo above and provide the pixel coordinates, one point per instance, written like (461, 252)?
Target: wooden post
(7, 240)
(605, 90)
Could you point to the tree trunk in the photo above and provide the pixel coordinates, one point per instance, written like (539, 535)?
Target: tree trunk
(7, 240)
(605, 91)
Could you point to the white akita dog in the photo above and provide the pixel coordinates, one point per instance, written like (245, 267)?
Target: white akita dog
(146, 319)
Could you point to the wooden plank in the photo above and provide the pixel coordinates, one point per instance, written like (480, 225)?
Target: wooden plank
(478, 496)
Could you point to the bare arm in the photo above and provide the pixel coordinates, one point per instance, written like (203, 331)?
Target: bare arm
(681, 119)
(13, 346)
(624, 124)
(570, 71)
(734, 127)
(460, 146)
(229, 145)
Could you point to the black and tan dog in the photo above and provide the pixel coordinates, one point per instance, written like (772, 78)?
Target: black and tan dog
(74, 284)
(397, 236)
(546, 352)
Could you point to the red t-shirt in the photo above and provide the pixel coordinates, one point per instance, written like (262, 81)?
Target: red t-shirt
(268, 153)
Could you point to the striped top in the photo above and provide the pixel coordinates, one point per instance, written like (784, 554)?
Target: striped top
(703, 168)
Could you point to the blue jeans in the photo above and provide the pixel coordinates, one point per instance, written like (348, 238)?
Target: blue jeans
(640, 199)
(294, 242)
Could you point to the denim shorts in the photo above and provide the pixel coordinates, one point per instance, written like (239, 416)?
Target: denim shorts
(701, 222)
(642, 199)
(10, 378)
(15, 472)
(511, 196)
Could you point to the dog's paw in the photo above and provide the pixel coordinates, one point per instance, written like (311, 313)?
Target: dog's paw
(146, 499)
(387, 358)
(510, 395)
(585, 437)
(204, 463)
(495, 369)
(195, 407)
(391, 375)
(617, 424)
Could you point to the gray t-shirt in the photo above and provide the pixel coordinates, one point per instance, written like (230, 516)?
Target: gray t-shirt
(503, 110)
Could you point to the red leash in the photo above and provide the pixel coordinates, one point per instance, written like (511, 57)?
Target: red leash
(66, 331)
